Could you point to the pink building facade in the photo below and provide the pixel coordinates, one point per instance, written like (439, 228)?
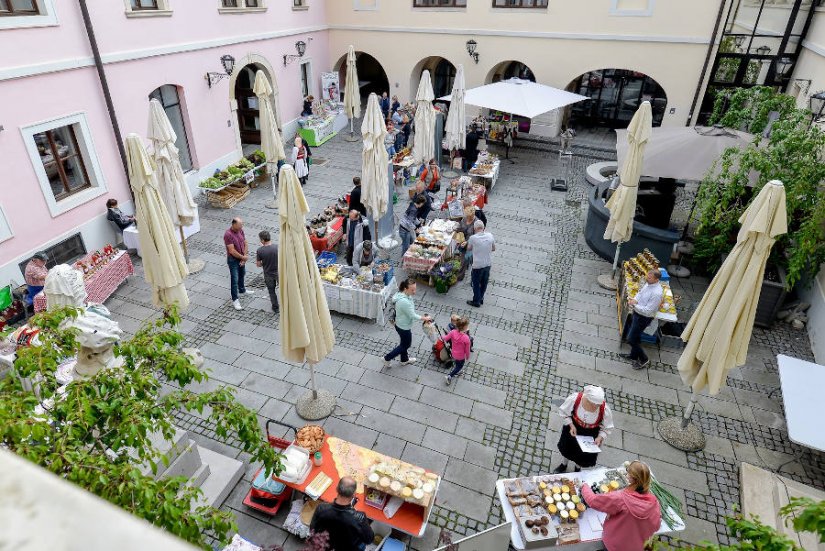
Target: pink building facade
(53, 101)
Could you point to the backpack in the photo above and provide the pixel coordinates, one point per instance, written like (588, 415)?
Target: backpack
(390, 313)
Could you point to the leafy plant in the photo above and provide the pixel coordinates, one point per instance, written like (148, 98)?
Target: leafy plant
(315, 542)
(98, 434)
(793, 153)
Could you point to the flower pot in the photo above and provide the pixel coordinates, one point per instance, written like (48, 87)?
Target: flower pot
(770, 298)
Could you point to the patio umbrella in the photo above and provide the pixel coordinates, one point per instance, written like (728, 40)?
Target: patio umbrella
(424, 139)
(306, 326)
(719, 331)
(456, 132)
(374, 161)
(622, 204)
(271, 143)
(352, 92)
(182, 208)
(519, 97)
(163, 263)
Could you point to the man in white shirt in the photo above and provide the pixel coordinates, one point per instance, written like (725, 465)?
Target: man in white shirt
(645, 305)
(481, 244)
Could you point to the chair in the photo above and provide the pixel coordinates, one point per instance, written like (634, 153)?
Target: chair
(118, 233)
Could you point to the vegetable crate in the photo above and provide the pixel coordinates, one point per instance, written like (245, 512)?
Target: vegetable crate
(267, 495)
(229, 196)
(326, 259)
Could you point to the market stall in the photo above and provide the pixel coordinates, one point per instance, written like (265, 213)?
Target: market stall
(486, 169)
(461, 190)
(363, 293)
(389, 491)
(103, 272)
(402, 162)
(326, 230)
(131, 235)
(433, 244)
(328, 119)
(547, 511)
(229, 187)
(631, 279)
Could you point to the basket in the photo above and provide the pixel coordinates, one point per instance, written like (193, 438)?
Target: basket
(299, 438)
(388, 275)
(327, 259)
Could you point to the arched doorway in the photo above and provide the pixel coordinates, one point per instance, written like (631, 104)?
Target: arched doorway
(442, 75)
(510, 69)
(248, 123)
(371, 75)
(615, 95)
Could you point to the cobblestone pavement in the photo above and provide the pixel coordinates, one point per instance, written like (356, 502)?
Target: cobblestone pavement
(545, 330)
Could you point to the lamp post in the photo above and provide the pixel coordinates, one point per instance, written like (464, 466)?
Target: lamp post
(228, 63)
(471, 49)
(817, 103)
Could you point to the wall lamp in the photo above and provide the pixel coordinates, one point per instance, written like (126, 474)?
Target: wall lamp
(301, 48)
(782, 66)
(817, 103)
(471, 49)
(228, 63)
(738, 41)
(763, 50)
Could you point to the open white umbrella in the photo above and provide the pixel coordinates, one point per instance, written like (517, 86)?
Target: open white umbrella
(622, 204)
(271, 142)
(374, 160)
(424, 139)
(519, 97)
(456, 131)
(719, 331)
(173, 189)
(163, 263)
(306, 326)
(352, 92)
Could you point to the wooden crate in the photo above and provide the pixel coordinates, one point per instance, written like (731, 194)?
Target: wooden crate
(229, 196)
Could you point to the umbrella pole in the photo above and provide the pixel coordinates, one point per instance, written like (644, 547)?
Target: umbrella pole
(610, 282)
(274, 203)
(450, 173)
(195, 265)
(680, 433)
(352, 137)
(315, 404)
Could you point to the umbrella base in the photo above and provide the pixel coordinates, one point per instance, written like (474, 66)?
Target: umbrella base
(606, 281)
(352, 138)
(450, 174)
(689, 439)
(313, 408)
(195, 355)
(678, 271)
(196, 265)
(271, 204)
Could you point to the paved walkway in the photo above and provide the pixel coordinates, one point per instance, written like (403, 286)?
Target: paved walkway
(545, 330)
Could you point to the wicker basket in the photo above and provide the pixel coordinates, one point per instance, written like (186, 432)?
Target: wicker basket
(229, 196)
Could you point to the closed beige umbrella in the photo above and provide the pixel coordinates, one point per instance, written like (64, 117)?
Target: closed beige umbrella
(374, 161)
(455, 132)
(622, 204)
(424, 139)
(271, 143)
(163, 263)
(306, 326)
(719, 331)
(173, 188)
(352, 91)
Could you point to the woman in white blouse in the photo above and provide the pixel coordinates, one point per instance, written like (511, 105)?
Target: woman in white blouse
(584, 413)
(299, 160)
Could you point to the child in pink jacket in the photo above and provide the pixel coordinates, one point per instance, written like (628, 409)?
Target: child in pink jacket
(633, 514)
(460, 346)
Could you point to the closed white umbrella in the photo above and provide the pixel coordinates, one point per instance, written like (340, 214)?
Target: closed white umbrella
(271, 142)
(306, 326)
(352, 92)
(720, 328)
(424, 139)
(163, 263)
(455, 131)
(374, 175)
(622, 204)
(173, 189)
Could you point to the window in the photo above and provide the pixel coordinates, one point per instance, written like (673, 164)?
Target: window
(64, 252)
(148, 8)
(19, 7)
(439, 3)
(62, 161)
(241, 3)
(306, 78)
(299, 4)
(519, 3)
(168, 97)
(145, 4)
(65, 162)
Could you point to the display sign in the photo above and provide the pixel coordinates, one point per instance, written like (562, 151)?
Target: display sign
(330, 90)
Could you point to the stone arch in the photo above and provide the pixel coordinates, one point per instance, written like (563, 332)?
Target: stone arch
(442, 75)
(509, 68)
(370, 70)
(258, 62)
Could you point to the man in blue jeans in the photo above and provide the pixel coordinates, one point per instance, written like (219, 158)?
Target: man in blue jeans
(237, 253)
(645, 305)
(481, 244)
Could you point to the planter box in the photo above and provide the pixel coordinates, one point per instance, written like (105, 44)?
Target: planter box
(770, 300)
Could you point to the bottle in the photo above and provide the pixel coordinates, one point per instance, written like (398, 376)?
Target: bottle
(318, 459)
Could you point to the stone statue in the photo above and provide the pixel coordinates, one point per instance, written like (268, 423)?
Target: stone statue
(64, 287)
(97, 337)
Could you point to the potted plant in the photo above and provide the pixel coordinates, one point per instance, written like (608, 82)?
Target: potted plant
(793, 154)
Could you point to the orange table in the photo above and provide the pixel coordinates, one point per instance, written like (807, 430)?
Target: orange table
(410, 518)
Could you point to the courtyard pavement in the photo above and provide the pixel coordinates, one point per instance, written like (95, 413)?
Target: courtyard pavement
(545, 330)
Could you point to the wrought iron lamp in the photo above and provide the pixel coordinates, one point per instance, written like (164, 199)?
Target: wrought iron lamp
(738, 41)
(471, 49)
(228, 63)
(301, 48)
(763, 50)
(817, 103)
(782, 66)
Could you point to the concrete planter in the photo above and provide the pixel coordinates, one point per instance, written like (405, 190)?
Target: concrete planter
(770, 300)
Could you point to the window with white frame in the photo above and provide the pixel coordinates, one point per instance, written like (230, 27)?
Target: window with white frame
(15, 14)
(168, 97)
(638, 8)
(5, 227)
(147, 8)
(300, 4)
(241, 4)
(65, 162)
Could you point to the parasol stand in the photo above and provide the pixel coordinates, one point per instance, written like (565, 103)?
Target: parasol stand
(315, 404)
(352, 137)
(450, 172)
(609, 281)
(195, 265)
(274, 180)
(680, 433)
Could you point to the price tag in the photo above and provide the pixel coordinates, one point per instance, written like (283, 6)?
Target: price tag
(249, 176)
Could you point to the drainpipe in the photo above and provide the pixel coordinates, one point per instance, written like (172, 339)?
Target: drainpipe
(711, 46)
(107, 96)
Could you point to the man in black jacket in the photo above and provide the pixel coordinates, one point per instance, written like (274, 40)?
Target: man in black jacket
(348, 529)
(355, 197)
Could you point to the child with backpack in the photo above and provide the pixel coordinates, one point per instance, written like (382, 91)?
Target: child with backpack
(460, 341)
(450, 326)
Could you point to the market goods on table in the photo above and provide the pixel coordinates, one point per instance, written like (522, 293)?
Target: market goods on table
(92, 262)
(397, 478)
(245, 169)
(635, 271)
(310, 437)
(552, 496)
(402, 156)
(366, 278)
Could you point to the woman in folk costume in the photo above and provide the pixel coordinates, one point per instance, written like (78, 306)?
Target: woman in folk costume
(299, 160)
(583, 413)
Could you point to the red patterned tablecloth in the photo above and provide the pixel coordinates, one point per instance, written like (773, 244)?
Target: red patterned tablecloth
(335, 233)
(101, 284)
(416, 264)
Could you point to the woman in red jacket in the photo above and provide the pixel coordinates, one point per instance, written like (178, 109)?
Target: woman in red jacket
(633, 514)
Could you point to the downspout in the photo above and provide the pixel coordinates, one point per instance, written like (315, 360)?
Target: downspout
(107, 96)
(711, 46)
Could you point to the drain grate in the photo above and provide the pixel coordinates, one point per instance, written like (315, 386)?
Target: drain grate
(318, 161)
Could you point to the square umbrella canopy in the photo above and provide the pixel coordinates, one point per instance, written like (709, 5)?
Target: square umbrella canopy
(519, 97)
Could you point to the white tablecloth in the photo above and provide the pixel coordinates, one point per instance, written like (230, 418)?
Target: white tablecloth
(492, 177)
(132, 241)
(341, 121)
(802, 384)
(357, 302)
